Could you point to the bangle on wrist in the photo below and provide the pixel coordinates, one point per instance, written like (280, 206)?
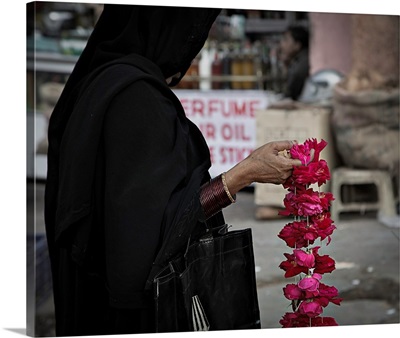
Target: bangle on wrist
(231, 198)
(214, 196)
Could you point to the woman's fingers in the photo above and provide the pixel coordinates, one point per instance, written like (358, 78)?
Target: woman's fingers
(283, 145)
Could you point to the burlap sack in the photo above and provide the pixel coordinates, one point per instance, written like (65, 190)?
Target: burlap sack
(366, 128)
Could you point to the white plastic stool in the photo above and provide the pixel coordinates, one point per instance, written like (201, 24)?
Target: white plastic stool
(386, 204)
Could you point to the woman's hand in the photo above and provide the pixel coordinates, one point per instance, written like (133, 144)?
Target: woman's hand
(267, 164)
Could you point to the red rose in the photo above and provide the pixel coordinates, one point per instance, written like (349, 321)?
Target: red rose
(323, 321)
(290, 266)
(298, 234)
(294, 319)
(315, 172)
(324, 225)
(323, 264)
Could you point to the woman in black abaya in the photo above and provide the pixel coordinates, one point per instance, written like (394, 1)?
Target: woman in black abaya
(126, 167)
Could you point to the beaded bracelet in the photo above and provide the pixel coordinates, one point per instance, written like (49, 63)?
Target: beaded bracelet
(214, 196)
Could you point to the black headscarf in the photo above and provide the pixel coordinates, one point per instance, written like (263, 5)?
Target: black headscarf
(168, 37)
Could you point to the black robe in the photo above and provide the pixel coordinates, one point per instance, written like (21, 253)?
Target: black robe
(125, 168)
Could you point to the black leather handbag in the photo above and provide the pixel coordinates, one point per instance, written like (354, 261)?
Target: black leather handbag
(212, 286)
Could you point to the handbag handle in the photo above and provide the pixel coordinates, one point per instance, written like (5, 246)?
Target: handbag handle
(209, 236)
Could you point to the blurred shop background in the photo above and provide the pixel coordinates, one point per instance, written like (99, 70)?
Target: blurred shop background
(234, 92)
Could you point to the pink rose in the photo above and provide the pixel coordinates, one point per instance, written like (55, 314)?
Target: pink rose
(303, 258)
(310, 308)
(303, 203)
(310, 283)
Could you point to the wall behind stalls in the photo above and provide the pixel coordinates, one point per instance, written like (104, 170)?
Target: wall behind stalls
(331, 41)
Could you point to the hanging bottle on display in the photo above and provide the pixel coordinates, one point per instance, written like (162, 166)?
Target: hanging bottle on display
(247, 66)
(236, 68)
(216, 70)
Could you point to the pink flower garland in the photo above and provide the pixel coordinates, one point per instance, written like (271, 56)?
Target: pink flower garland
(312, 220)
